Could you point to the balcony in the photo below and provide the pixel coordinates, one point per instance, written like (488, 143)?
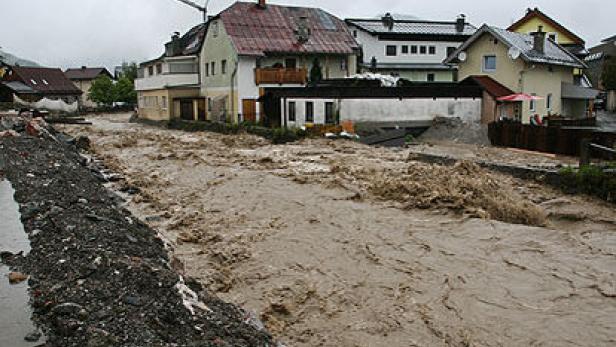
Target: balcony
(280, 76)
(166, 81)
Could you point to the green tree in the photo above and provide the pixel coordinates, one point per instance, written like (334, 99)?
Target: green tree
(609, 74)
(129, 70)
(103, 91)
(125, 91)
(316, 74)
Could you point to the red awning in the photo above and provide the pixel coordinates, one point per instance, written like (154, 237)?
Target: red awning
(519, 97)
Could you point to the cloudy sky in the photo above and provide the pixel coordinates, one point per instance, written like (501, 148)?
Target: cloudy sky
(68, 33)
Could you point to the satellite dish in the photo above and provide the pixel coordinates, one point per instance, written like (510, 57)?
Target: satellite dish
(462, 56)
(514, 53)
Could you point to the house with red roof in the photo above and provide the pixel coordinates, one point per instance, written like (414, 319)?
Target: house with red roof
(255, 45)
(83, 78)
(35, 83)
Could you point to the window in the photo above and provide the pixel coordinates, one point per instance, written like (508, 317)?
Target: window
(309, 112)
(553, 36)
(489, 63)
(391, 51)
(329, 113)
(430, 77)
(355, 33)
(159, 69)
(223, 67)
(432, 50)
(33, 81)
(423, 49)
(207, 69)
(213, 68)
(292, 111)
(548, 102)
(413, 49)
(405, 49)
(290, 63)
(533, 104)
(163, 103)
(343, 64)
(450, 50)
(150, 101)
(215, 29)
(45, 82)
(151, 70)
(209, 104)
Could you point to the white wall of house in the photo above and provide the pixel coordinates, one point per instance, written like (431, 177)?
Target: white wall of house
(388, 110)
(170, 72)
(372, 46)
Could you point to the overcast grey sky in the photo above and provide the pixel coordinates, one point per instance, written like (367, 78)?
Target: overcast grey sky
(68, 33)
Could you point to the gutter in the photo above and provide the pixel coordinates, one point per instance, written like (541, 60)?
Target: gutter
(233, 75)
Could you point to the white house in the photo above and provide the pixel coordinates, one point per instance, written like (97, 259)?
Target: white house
(254, 45)
(411, 49)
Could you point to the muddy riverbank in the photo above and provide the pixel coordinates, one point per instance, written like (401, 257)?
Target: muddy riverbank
(340, 244)
(98, 276)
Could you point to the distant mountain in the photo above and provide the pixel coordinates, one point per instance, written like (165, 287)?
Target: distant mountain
(10, 59)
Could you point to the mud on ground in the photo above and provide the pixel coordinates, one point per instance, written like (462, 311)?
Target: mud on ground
(340, 244)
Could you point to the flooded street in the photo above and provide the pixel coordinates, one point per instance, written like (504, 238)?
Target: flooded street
(340, 244)
(15, 309)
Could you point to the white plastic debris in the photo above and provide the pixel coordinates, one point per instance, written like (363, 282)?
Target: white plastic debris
(190, 298)
(386, 80)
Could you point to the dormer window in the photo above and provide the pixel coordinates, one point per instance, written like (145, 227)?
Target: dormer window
(45, 82)
(33, 81)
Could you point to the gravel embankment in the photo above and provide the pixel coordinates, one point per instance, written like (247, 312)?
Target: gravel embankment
(99, 276)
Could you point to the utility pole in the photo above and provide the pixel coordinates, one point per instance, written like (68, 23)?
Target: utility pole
(198, 7)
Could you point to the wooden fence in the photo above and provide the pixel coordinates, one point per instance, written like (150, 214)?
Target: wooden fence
(551, 139)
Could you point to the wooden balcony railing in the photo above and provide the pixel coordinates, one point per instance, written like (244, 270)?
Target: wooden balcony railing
(280, 76)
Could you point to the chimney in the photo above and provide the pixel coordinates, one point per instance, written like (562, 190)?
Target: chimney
(460, 23)
(83, 67)
(539, 41)
(173, 47)
(388, 21)
(262, 4)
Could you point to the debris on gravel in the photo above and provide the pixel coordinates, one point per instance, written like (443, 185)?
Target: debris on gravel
(98, 276)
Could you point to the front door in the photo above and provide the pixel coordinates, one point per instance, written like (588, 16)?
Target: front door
(249, 107)
(187, 111)
(201, 109)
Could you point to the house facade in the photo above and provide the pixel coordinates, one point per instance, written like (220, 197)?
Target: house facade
(251, 46)
(32, 84)
(411, 49)
(169, 86)
(83, 78)
(528, 64)
(598, 57)
(535, 19)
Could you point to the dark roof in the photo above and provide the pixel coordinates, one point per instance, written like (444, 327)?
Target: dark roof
(190, 43)
(377, 26)
(554, 54)
(18, 87)
(86, 73)
(536, 13)
(45, 80)
(256, 31)
(193, 40)
(610, 39)
(488, 84)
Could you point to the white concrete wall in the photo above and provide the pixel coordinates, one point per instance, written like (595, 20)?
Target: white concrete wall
(390, 110)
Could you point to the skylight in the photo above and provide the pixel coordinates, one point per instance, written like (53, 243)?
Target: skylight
(33, 81)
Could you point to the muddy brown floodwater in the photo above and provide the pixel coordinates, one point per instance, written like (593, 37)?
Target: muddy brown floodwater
(340, 244)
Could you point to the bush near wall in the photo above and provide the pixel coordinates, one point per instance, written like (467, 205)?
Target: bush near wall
(590, 179)
(277, 136)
